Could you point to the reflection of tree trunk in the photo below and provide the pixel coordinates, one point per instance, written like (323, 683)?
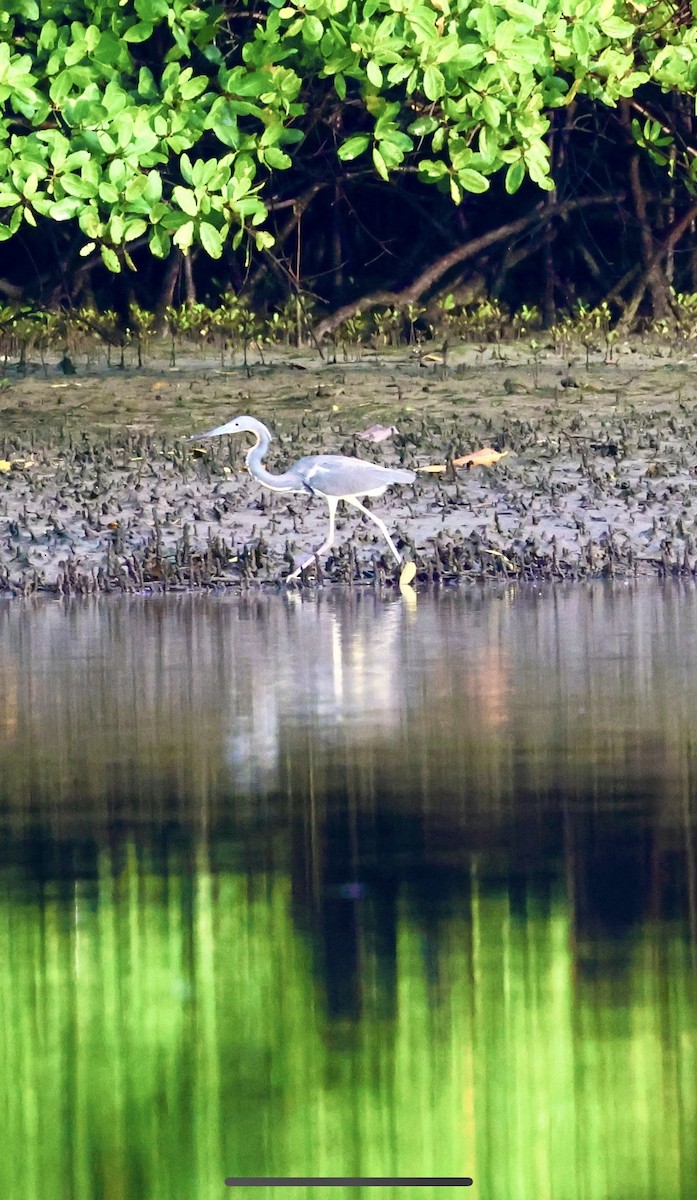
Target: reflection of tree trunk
(654, 278)
(539, 216)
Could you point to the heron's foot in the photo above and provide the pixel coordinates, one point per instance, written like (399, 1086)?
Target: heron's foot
(295, 576)
(312, 561)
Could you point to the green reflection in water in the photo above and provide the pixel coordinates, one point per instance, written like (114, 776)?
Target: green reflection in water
(175, 1010)
(162, 1030)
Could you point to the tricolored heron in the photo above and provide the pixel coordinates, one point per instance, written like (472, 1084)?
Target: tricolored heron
(330, 475)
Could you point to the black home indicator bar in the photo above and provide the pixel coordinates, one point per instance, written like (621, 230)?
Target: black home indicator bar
(352, 1181)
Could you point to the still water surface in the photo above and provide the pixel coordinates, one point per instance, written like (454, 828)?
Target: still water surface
(348, 886)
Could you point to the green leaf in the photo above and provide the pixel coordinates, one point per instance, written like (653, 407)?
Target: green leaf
(580, 40)
(277, 158)
(147, 88)
(353, 147)
(186, 200)
(380, 166)
(434, 83)
(515, 176)
(527, 13)
(423, 125)
(160, 243)
(110, 259)
(184, 236)
(92, 38)
(391, 154)
(264, 240)
(134, 229)
(473, 181)
(108, 193)
(153, 188)
(63, 210)
(211, 239)
(48, 35)
(193, 87)
(138, 33)
(374, 73)
(152, 10)
(74, 185)
(432, 169)
(312, 30)
(617, 27)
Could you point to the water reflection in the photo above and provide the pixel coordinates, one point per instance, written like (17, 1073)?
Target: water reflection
(339, 886)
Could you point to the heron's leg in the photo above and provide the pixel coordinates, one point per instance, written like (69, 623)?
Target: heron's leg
(380, 524)
(332, 502)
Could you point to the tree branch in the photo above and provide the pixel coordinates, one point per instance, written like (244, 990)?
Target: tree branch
(541, 215)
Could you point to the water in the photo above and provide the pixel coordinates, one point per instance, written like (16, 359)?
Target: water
(350, 886)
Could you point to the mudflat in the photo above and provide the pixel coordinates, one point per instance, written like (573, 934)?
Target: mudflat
(101, 491)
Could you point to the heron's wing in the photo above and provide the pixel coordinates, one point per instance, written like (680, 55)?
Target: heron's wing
(337, 475)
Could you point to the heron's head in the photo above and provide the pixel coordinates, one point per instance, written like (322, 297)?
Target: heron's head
(236, 425)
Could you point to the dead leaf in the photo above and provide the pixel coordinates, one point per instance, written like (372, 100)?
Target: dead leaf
(486, 457)
(5, 465)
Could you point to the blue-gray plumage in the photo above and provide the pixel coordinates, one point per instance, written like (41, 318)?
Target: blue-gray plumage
(330, 475)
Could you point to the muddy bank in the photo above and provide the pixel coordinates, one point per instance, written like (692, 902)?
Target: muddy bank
(100, 491)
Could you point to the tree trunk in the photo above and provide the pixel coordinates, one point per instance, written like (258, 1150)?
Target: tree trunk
(666, 247)
(170, 280)
(654, 277)
(549, 310)
(189, 284)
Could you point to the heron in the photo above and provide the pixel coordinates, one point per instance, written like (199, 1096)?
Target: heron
(333, 476)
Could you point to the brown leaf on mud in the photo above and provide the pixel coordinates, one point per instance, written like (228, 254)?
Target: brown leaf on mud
(484, 457)
(17, 464)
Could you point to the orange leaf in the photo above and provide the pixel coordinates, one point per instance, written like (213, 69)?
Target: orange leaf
(486, 457)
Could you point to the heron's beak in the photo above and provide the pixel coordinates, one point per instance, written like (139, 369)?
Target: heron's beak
(217, 432)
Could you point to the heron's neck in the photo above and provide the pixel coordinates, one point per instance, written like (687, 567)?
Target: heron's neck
(283, 482)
